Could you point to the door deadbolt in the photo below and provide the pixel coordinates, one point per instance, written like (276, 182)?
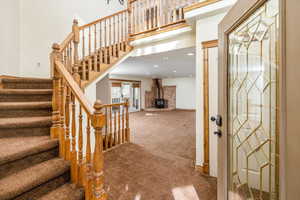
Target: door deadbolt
(217, 119)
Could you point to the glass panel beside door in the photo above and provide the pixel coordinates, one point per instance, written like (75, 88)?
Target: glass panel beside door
(253, 106)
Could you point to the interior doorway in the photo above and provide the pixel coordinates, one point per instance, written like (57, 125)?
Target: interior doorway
(121, 90)
(210, 100)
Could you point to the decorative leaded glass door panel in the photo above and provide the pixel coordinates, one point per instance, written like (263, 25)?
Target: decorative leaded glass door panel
(252, 107)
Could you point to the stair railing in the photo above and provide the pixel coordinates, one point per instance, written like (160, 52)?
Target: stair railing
(73, 115)
(151, 15)
(101, 41)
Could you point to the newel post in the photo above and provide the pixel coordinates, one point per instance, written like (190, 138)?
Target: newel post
(56, 100)
(98, 122)
(127, 129)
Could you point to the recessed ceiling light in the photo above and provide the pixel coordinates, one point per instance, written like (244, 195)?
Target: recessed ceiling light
(155, 66)
(190, 54)
(174, 71)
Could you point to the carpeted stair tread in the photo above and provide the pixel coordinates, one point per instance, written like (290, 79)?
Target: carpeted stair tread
(65, 192)
(15, 148)
(27, 179)
(25, 91)
(25, 122)
(25, 105)
(26, 80)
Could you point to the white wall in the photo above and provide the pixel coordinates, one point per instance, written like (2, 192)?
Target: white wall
(146, 84)
(9, 37)
(207, 29)
(44, 22)
(185, 91)
(103, 90)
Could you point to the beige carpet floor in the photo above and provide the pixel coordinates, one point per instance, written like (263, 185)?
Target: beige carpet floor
(158, 164)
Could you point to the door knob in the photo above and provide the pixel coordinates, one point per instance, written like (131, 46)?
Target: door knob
(217, 119)
(218, 133)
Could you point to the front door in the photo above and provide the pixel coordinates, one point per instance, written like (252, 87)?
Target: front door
(248, 102)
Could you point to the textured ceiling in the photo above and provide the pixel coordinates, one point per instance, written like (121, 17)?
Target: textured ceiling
(162, 65)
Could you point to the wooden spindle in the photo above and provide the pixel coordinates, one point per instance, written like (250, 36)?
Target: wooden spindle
(119, 126)
(115, 129)
(62, 120)
(106, 131)
(98, 121)
(110, 128)
(90, 41)
(74, 166)
(88, 168)
(127, 121)
(67, 125)
(80, 152)
(95, 49)
(123, 124)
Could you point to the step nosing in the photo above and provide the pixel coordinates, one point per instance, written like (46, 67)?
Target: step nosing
(26, 80)
(25, 105)
(26, 122)
(40, 147)
(11, 186)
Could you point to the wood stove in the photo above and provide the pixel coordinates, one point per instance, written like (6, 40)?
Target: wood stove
(159, 101)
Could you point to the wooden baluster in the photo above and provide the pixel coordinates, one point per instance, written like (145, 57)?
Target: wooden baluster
(125, 29)
(89, 170)
(74, 166)
(89, 67)
(110, 128)
(80, 152)
(106, 130)
(56, 124)
(100, 43)
(119, 33)
(98, 122)
(127, 121)
(115, 31)
(119, 126)
(110, 38)
(159, 13)
(132, 19)
(105, 43)
(83, 57)
(115, 128)
(95, 50)
(129, 6)
(62, 120)
(123, 124)
(90, 41)
(67, 125)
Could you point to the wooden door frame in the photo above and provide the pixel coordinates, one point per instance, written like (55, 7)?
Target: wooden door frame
(288, 108)
(206, 45)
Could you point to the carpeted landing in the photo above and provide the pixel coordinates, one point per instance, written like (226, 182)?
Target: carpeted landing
(159, 163)
(133, 173)
(29, 164)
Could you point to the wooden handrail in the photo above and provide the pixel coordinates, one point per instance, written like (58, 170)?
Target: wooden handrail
(84, 102)
(102, 19)
(67, 41)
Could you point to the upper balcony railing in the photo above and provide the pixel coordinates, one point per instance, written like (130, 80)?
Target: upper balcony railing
(150, 15)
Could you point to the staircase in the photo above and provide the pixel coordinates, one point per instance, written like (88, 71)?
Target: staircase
(29, 164)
